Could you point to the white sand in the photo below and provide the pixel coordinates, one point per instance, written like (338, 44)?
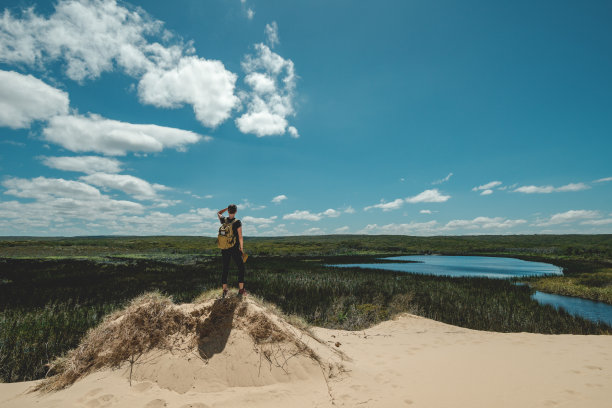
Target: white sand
(411, 361)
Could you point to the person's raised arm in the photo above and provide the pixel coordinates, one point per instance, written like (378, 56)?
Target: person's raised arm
(240, 238)
(221, 212)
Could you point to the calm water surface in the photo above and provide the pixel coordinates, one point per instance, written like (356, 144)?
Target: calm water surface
(497, 268)
(466, 266)
(588, 309)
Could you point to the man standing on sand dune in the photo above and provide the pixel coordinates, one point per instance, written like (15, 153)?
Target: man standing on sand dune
(230, 242)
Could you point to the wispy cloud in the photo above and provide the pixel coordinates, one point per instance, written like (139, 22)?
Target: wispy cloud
(551, 189)
(313, 231)
(393, 205)
(83, 164)
(603, 221)
(259, 220)
(412, 228)
(483, 223)
(271, 32)
(306, 215)
(427, 196)
(253, 207)
(570, 216)
(443, 180)
(487, 189)
(603, 180)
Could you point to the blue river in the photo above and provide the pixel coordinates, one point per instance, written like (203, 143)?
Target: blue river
(496, 268)
(465, 266)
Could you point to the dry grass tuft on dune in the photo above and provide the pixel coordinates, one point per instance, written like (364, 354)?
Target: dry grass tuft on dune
(150, 321)
(153, 334)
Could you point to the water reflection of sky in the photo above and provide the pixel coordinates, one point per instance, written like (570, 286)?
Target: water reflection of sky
(588, 309)
(465, 266)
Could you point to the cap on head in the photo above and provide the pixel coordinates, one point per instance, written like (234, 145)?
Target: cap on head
(232, 208)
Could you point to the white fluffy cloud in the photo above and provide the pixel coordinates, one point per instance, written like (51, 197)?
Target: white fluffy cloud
(83, 164)
(570, 216)
(330, 212)
(261, 83)
(302, 215)
(58, 202)
(428, 196)
(95, 36)
(551, 189)
(293, 132)
(89, 36)
(486, 192)
(425, 211)
(156, 222)
(272, 82)
(279, 199)
(24, 99)
(342, 230)
(94, 133)
(392, 205)
(134, 186)
(42, 188)
(262, 123)
(204, 84)
(63, 206)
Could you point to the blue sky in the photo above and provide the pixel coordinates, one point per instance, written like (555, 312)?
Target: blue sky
(394, 117)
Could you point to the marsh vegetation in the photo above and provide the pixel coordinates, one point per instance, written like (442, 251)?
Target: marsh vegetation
(53, 290)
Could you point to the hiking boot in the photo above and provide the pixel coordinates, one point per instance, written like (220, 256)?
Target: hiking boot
(242, 293)
(224, 295)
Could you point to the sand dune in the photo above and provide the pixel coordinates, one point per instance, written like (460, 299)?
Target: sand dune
(240, 353)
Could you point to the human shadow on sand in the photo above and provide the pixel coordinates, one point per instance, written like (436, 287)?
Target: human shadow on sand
(213, 332)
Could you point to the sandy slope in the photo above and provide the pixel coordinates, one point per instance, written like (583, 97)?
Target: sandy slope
(410, 361)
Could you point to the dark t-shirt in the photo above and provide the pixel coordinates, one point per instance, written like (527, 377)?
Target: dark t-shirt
(237, 224)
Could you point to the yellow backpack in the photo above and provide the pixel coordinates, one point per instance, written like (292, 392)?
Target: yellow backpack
(226, 238)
